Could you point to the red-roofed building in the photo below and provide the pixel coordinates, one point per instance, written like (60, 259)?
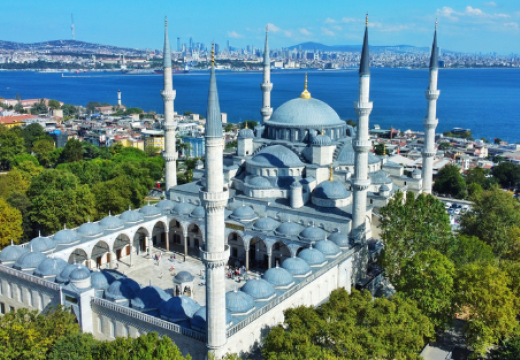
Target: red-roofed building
(14, 120)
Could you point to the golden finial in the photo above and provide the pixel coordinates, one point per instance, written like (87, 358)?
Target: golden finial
(367, 20)
(322, 131)
(384, 149)
(331, 175)
(305, 94)
(246, 125)
(213, 54)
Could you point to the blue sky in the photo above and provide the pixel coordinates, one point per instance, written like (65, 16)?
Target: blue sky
(470, 26)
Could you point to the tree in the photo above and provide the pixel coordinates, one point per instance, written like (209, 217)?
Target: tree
(73, 151)
(351, 123)
(134, 110)
(444, 145)
(151, 150)
(43, 149)
(231, 144)
(188, 113)
(427, 278)
(77, 346)
(20, 202)
(470, 249)
(10, 224)
(507, 174)
(68, 109)
(507, 350)
(19, 108)
(33, 133)
(114, 195)
(410, 226)
(19, 159)
(482, 294)
(11, 144)
(39, 108)
(54, 104)
(380, 149)
(450, 181)
(228, 127)
(497, 141)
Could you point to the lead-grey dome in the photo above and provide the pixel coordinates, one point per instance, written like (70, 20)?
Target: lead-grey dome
(179, 308)
(183, 209)
(149, 211)
(384, 187)
(184, 276)
(296, 184)
(198, 212)
(64, 276)
(66, 237)
(313, 234)
(259, 289)
(296, 266)
(340, 239)
(79, 274)
(29, 260)
(130, 216)
(265, 224)
(42, 244)
(331, 190)
(276, 156)
(111, 223)
(288, 229)
(50, 267)
(122, 289)
(90, 229)
(321, 140)
(312, 256)
(150, 297)
(259, 182)
(99, 280)
(244, 213)
(239, 302)
(246, 134)
(380, 177)
(346, 155)
(328, 248)
(199, 318)
(306, 112)
(278, 276)
(11, 253)
(165, 204)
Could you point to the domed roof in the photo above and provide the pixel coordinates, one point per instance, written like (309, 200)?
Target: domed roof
(64, 275)
(313, 234)
(122, 289)
(259, 289)
(179, 307)
(312, 256)
(246, 134)
(50, 267)
(321, 140)
(183, 209)
(66, 237)
(346, 155)
(328, 248)
(276, 156)
(306, 112)
(149, 211)
(11, 253)
(183, 276)
(384, 187)
(150, 297)
(239, 302)
(288, 229)
(111, 223)
(265, 224)
(90, 229)
(278, 276)
(340, 239)
(296, 266)
(130, 216)
(379, 177)
(165, 204)
(296, 184)
(198, 212)
(79, 274)
(259, 182)
(244, 213)
(29, 260)
(199, 318)
(42, 244)
(331, 190)
(99, 280)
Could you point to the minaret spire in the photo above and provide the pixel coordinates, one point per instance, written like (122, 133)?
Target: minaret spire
(266, 86)
(430, 121)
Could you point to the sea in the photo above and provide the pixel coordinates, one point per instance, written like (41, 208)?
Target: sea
(487, 101)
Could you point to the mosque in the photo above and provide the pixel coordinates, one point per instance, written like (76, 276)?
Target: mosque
(293, 208)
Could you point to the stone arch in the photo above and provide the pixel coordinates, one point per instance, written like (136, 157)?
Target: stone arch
(122, 246)
(237, 248)
(159, 234)
(101, 254)
(258, 253)
(195, 235)
(140, 240)
(78, 256)
(280, 251)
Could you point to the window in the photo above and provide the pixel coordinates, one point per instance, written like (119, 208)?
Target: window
(11, 308)
(20, 292)
(100, 324)
(9, 290)
(30, 298)
(2, 308)
(113, 328)
(41, 304)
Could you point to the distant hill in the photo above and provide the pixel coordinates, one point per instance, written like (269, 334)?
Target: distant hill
(60, 44)
(357, 48)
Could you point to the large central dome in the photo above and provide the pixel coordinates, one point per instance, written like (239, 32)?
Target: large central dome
(306, 112)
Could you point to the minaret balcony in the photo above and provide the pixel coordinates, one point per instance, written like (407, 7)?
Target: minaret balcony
(168, 95)
(428, 153)
(360, 184)
(214, 199)
(170, 126)
(218, 258)
(430, 124)
(362, 146)
(172, 156)
(432, 94)
(266, 86)
(363, 108)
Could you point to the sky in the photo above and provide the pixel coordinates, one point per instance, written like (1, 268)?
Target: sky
(464, 25)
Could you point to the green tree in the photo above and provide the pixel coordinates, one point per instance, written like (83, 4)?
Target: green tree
(39, 108)
(351, 123)
(75, 346)
(470, 249)
(11, 144)
(19, 159)
(33, 133)
(507, 350)
(55, 157)
(231, 144)
(188, 113)
(497, 140)
(54, 104)
(88, 172)
(69, 110)
(20, 202)
(10, 224)
(73, 151)
(507, 174)
(151, 150)
(19, 108)
(134, 110)
(450, 181)
(481, 177)
(380, 149)
(445, 146)
(228, 127)
(114, 195)
(43, 149)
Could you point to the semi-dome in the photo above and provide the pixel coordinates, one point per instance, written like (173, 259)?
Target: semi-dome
(42, 244)
(346, 155)
(165, 204)
(276, 156)
(99, 281)
(259, 289)
(239, 302)
(79, 274)
(50, 267)
(29, 260)
(122, 289)
(244, 213)
(306, 112)
(183, 208)
(312, 256)
(313, 234)
(288, 229)
(321, 140)
(296, 266)
(179, 308)
(111, 223)
(259, 182)
(198, 212)
(90, 229)
(246, 134)
(279, 277)
(328, 248)
(199, 318)
(150, 297)
(66, 237)
(384, 188)
(380, 177)
(340, 239)
(11, 253)
(149, 211)
(183, 276)
(64, 275)
(265, 224)
(130, 216)
(331, 190)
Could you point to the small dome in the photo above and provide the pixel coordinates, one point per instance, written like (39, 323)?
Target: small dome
(328, 248)
(276, 156)
(99, 280)
(150, 297)
(122, 289)
(42, 244)
(90, 230)
(296, 266)
(165, 204)
(149, 211)
(278, 277)
(198, 212)
(244, 213)
(183, 209)
(64, 275)
(312, 256)
(246, 134)
(313, 234)
(238, 302)
(199, 163)
(11, 253)
(199, 318)
(265, 224)
(340, 239)
(111, 223)
(259, 289)
(79, 274)
(29, 260)
(331, 190)
(260, 182)
(288, 229)
(50, 267)
(321, 140)
(66, 237)
(346, 155)
(179, 307)
(296, 184)
(379, 177)
(384, 188)
(184, 276)
(130, 216)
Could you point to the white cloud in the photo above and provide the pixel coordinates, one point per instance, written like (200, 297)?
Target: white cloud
(491, 4)
(350, 20)
(305, 32)
(273, 28)
(328, 32)
(511, 25)
(287, 33)
(469, 13)
(234, 34)
(329, 21)
(337, 27)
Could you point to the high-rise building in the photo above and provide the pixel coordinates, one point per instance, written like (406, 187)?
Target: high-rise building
(179, 44)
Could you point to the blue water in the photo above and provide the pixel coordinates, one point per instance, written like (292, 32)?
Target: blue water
(485, 101)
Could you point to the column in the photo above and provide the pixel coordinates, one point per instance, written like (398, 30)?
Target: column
(167, 240)
(247, 259)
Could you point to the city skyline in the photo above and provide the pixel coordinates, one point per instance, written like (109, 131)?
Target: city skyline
(463, 26)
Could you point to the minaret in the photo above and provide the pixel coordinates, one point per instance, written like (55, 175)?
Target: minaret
(266, 110)
(362, 145)
(118, 97)
(168, 95)
(214, 198)
(430, 121)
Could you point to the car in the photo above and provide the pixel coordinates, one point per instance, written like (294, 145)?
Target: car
(448, 205)
(450, 211)
(454, 206)
(457, 211)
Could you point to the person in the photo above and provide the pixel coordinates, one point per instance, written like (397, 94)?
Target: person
(160, 276)
(117, 266)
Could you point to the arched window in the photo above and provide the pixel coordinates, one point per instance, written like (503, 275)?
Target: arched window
(113, 328)
(100, 324)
